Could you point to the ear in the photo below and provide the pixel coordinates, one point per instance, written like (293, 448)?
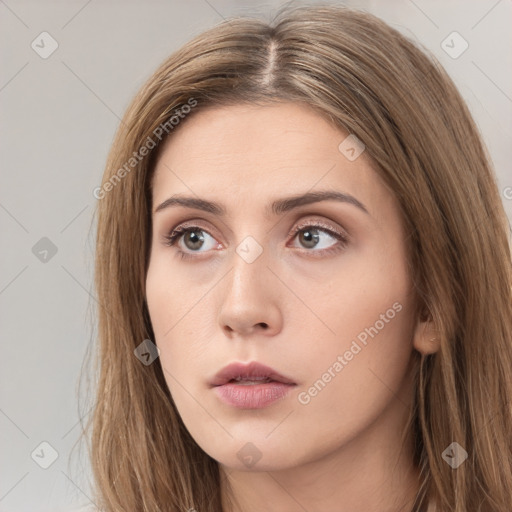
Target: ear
(426, 339)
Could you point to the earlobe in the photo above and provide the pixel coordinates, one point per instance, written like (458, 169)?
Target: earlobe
(426, 338)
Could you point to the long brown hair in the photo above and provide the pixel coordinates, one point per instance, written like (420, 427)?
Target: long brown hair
(373, 82)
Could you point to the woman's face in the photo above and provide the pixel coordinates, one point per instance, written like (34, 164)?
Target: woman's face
(317, 290)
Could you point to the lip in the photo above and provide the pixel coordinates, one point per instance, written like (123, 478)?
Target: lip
(248, 370)
(250, 396)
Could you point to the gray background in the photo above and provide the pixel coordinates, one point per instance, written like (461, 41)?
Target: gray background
(59, 116)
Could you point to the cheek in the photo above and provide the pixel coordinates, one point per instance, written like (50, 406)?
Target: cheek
(174, 309)
(169, 296)
(352, 381)
(362, 358)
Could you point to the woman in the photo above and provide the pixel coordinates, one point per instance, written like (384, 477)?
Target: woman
(305, 281)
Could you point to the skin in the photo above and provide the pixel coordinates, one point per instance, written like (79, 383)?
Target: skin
(296, 308)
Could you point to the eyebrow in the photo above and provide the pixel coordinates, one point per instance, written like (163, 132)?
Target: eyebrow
(278, 207)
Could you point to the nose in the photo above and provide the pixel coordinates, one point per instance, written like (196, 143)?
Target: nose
(250, 299)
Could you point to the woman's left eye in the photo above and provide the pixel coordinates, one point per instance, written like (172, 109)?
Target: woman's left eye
(313, 236)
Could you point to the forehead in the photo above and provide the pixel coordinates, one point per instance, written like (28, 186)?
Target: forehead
(248, 151)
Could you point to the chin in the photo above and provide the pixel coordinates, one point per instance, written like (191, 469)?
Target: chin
(254, 455)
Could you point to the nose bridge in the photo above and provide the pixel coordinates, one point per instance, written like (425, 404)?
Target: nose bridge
(249, 267)
(248, 299)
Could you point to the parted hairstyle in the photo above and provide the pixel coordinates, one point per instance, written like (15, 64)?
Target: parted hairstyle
(371, 81)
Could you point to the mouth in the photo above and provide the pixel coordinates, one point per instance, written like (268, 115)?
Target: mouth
(250, 381)
(253, 373)
(250, 386)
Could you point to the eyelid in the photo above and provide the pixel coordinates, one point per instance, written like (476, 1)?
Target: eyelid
(318, 223)
(302, 223)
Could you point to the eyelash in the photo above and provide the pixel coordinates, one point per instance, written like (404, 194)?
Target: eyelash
(171, 238)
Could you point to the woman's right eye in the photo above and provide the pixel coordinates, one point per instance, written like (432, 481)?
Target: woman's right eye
(192, 236)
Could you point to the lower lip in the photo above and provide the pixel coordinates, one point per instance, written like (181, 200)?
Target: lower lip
(252, 396)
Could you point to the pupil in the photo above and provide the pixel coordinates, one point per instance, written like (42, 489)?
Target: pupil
(311, 238)
(194, 238)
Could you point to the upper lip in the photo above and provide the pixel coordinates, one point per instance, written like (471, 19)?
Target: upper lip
(246, 371)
